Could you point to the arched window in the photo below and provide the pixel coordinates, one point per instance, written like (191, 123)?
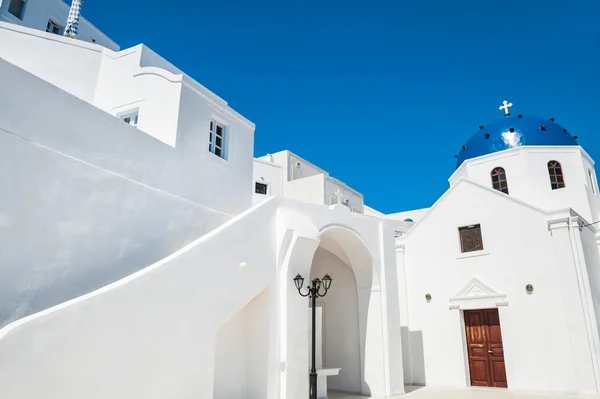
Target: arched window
(499, 180)
(556, 175)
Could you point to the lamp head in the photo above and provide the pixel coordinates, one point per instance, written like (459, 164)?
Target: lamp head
(327, 281)
(316, 283)
(299, 281)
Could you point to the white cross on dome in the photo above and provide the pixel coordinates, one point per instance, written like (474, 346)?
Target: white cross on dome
(506, 105)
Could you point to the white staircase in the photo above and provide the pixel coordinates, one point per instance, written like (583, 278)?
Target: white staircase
(150, 335)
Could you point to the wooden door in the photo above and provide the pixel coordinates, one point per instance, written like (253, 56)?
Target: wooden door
(485, 350)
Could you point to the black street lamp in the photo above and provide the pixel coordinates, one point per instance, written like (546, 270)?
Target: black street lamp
(314, 291)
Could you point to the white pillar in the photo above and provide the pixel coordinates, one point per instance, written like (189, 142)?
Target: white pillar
(371, 338)
(379, 313)
(293, 316)
(403, 306)
(577, 302)
(392, 331)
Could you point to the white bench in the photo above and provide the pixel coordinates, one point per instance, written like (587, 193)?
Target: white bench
(322, 375)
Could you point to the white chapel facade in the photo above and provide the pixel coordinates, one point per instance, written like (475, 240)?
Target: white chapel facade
(152, 255)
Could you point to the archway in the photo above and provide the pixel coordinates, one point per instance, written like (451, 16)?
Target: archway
(344, 310)
(377, 368)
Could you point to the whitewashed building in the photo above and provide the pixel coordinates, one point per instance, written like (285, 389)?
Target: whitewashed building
(50, 16)
(147, 254)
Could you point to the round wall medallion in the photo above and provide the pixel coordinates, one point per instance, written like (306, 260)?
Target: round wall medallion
(428, 297)
(529, 288)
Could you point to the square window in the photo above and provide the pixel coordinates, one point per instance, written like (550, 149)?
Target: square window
(16, 8)
(53, 27)
(217, 139)
(470, 238)
(260, 188)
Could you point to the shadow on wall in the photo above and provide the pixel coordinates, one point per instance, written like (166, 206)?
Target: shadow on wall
(242, 347)
(413, 357)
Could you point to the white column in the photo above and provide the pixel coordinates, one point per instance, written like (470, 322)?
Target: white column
(293, 316)
(403, 305)
(585, 282)
(571, 269)
(379, 321)
(370, 322)
(392, 332)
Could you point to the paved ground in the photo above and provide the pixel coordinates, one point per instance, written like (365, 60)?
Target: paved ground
(466, 393)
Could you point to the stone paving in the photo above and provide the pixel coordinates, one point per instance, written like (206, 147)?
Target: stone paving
(466, 393)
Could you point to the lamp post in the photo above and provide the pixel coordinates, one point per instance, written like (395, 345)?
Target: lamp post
(314, 292)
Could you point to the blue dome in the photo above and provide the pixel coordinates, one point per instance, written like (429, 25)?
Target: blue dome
(514, 131)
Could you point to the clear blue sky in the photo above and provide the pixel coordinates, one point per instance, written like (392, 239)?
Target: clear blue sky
(380, 93)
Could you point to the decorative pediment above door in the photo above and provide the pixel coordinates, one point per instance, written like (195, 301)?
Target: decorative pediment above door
(476, 294)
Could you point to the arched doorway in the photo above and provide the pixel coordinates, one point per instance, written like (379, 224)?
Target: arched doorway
(357, 316)
(343, 255)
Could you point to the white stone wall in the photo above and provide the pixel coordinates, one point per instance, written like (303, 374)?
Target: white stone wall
(268, 173)
(591, 257)
(41, 47)
(528, 179)
(280, 158)
(185, 308)
(93, 199)
(132, 80)
(309, 189)
(171, 108)
(123, 86)
(170, 311)
(242, 352)
(518, 250)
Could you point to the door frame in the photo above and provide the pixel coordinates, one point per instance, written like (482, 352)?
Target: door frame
(465, 348)
(475, 294)
(465, 345)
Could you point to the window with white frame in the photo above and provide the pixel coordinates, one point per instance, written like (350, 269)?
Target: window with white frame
(17, 8)
(216, 141)
(131, 118)
(53, 27)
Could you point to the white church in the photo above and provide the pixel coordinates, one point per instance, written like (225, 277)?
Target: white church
(147, 254)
